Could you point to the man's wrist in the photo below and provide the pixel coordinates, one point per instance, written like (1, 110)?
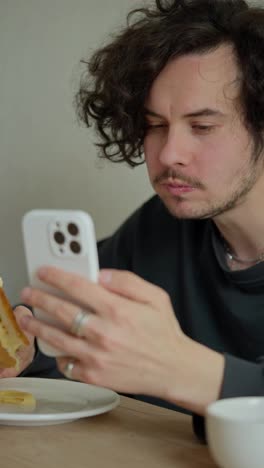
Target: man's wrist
(197, 377)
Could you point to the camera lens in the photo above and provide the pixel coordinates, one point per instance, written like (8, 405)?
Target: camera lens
(73, 229)
(59, 237)
(75, 247)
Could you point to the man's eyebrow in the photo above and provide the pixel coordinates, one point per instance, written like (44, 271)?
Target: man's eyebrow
(206, 112)
(152, 113)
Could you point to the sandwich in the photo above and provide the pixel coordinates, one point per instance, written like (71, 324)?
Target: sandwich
(11, 336)
(16, 397)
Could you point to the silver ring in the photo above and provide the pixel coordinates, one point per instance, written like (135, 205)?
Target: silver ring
(67, 371)
(78, 322)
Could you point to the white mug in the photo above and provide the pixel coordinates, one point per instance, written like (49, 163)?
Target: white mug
(235, 432)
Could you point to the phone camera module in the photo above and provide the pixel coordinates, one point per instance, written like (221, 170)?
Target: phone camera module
(59, 237)
(73, 229)
(75, 247)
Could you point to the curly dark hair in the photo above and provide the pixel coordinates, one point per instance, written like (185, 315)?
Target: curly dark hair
(119, 75)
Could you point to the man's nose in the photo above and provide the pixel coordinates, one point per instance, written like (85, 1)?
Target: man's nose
(178, 149)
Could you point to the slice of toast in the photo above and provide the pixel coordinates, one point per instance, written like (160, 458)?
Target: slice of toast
(11, 336)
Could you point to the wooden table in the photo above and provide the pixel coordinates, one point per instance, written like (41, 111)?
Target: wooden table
(135, 434)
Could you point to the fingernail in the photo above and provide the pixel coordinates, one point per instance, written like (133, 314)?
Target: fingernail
(105, 276)
(24, 321)
(25, 294)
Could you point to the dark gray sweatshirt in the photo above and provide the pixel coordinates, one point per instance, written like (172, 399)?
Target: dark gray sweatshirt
(219, 308)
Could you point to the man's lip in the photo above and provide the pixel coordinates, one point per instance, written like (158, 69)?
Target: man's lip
(177, 188)
(174, 184)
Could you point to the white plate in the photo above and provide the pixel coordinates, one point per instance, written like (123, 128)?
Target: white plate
(58, 401)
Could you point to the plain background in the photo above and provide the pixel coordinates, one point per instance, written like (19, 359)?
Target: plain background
(47, 159)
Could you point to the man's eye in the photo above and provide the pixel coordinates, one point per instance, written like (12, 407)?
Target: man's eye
(203, 128)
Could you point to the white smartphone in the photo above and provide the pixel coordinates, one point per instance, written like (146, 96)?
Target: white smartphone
(64, 239)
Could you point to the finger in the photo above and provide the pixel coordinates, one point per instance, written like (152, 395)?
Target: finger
(58, 339)
(19, 313)
(132, 287)
(22, 311)
(79, 289)
(8, 373)
(80, 371)
(64, 312)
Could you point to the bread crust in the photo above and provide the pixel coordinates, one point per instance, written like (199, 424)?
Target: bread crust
(5, 308)
(12, 336)
(5, 359)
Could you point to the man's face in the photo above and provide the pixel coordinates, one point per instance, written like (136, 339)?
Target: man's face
(198, 152)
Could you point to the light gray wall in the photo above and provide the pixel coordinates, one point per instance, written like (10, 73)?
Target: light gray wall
(47, 159)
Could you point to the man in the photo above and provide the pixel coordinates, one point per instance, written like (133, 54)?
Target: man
(184, 85)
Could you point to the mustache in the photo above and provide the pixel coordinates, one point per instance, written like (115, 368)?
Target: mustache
(172, 174)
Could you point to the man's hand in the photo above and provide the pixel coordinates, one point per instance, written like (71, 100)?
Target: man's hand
(26, 354)
(130, 342)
